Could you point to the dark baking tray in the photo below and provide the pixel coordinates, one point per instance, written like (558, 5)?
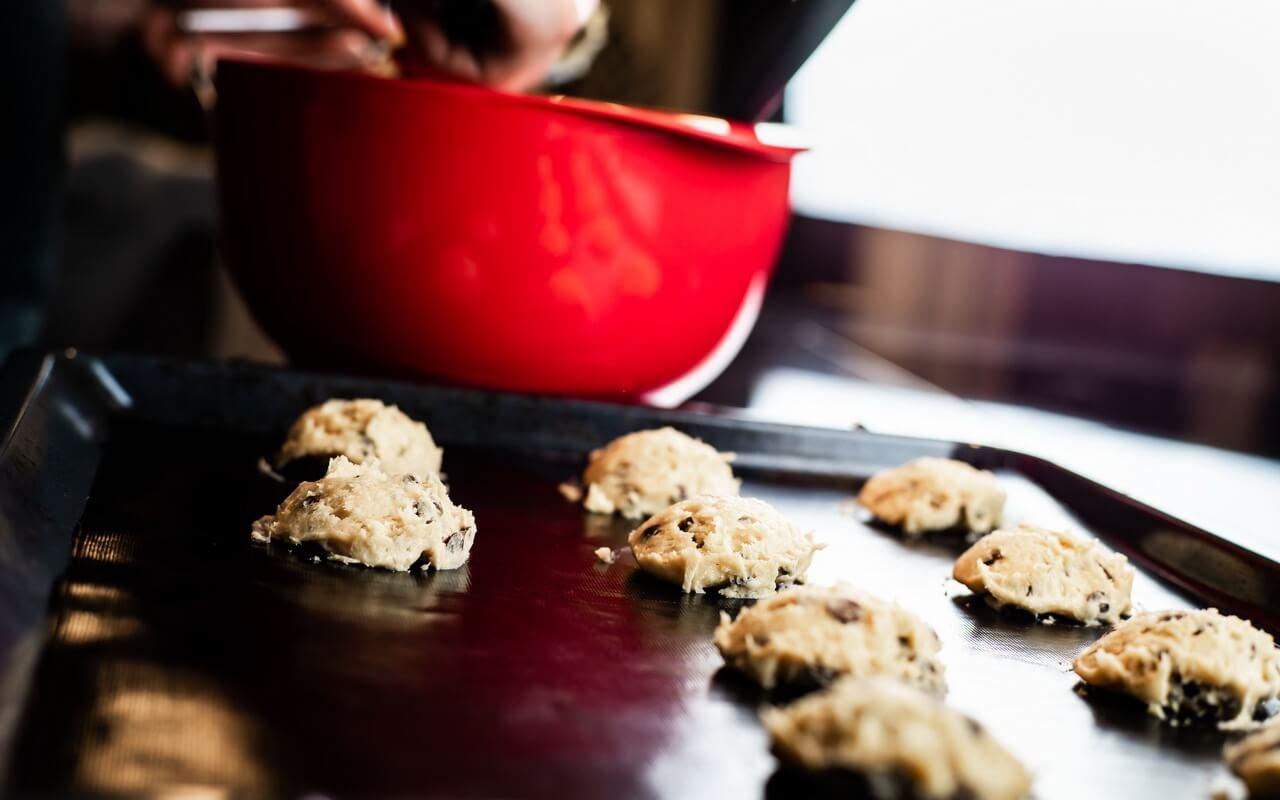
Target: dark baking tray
(148, 644)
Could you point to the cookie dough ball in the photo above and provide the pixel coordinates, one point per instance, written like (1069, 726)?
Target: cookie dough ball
(644, 472)
(738, 545)
(1048, 572)
(362, 430)
(1256, 761)
(898, 738)
(1187, 665)
(360, 514)
(813, 635)
(934, 494)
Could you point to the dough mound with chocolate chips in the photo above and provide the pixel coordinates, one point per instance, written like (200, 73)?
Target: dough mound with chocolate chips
(739, 546)
(814, 635)
(359, 514)
(935, 494)
(1048, 572)
(644, 472)
(363, 430)
(1187, 666)
(1255, 759)
(905, 742)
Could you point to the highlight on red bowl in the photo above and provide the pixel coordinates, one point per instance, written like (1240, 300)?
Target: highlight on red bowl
(534, 244)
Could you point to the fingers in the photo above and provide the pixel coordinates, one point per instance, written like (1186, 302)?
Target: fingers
(177, 53)
(370, 17)
(536, 31)
(429, 42)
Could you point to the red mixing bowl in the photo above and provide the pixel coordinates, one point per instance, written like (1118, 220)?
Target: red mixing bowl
(534, 244)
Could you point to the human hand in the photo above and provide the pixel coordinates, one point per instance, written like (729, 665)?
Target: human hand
(507, 44)
(338, 34)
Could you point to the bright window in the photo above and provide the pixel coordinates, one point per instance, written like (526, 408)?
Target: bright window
(1123, 130)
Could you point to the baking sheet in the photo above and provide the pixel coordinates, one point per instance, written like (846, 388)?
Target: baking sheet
(182, 655)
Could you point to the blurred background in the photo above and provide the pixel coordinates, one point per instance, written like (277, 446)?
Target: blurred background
(1058, 208)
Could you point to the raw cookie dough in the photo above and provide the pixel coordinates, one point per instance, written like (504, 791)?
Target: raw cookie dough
(360, 430)
(814, 634)
(895, 735)
(1256, 761)
(739, 545)
(934, 494)
(642, 473)
(604, 555)
(1186, 665)
(360, 514)
(1048, 572)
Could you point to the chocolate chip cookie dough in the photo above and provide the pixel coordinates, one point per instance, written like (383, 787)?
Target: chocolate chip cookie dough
(933, 494)
(1255, 759)
(814, 635)
(359, 514)
(362, 430)
(644, 472)
(1187, 666)
(1048, 572)
(737, 545)
(898, 738)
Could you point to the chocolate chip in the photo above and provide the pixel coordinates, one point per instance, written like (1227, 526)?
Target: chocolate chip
(1198, 631)
(650, 532)
(1029, 590)
(1104, 608)
(822, 676)
(904, 642)
(686, 524)
(993, 557)
(1107, 572)
(845, 610)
